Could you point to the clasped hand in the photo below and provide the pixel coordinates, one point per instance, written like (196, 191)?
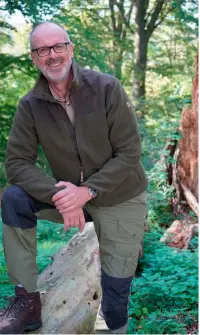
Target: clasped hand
(69, 203)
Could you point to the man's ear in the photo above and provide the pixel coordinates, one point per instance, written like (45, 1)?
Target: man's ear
(33, 57)
(71, 50)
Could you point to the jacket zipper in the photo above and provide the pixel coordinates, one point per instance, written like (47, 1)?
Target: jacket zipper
(82, 176)
(81, 172)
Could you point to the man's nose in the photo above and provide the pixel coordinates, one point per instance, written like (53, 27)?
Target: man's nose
(52, 53)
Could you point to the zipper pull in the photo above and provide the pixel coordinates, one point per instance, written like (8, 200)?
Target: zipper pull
(82, 176)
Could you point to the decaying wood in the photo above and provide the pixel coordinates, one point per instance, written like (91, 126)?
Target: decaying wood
(70, 287)
(180, 233)
(191, 200)
(183, 173)
(169, 151)
(188, 144)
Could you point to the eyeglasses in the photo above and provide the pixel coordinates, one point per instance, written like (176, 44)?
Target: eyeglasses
(45, 51)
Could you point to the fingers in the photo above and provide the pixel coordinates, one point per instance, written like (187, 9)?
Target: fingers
(59, 195)
(75, 222)
(66, 223)
(82, 222)
(71, 197)
(75, 219)
(66, 210)
(62, 183)
(71, 223)
(62, 193)
(64, 203)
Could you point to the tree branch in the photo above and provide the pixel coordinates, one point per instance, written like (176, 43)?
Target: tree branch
(162, 18)
(130, 11)
(111, 5)
(146, 5)
(126, 22)
(151, 25)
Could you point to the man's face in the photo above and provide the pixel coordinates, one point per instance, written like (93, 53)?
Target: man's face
(55, 66)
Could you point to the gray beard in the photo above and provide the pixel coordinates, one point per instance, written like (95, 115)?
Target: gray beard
(64, 74)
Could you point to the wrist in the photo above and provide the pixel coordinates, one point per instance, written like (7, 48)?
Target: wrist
(88, 196)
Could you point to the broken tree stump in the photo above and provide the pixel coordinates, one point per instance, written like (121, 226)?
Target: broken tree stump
(182, 171)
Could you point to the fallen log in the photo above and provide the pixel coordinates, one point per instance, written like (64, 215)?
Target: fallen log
(70, 287)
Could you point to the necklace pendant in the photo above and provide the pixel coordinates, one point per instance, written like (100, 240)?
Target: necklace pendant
(68, 99)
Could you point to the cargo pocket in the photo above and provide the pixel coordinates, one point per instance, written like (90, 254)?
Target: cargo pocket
(125, 257)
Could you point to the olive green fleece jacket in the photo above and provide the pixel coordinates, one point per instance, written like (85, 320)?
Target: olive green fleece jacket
(104, 142)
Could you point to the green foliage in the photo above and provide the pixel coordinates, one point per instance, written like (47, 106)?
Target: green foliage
(15, 66)
(160, 193)
(194, 244)
(164, 299)
(13, 85)
(5, 29)
(35, 10)
(90, 40)
(51, 237)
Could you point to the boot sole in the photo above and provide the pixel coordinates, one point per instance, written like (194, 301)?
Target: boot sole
(33, 326)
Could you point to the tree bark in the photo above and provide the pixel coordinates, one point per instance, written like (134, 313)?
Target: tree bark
(183, 173)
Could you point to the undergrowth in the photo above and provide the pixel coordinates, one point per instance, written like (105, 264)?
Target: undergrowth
(164, 298)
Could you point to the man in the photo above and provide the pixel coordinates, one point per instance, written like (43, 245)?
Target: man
(85, 124)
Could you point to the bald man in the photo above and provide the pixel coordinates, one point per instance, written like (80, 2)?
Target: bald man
(85, 124)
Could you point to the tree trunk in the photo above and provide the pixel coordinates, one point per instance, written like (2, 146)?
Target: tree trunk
(146, 23)
(183, 173)
(140, 63)
(70, 287)
(119, 35)
(117, 60)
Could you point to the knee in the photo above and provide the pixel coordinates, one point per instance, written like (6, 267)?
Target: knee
(12, 192)
(15, 198)
(18, 208)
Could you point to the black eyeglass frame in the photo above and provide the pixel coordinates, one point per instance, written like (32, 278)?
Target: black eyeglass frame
(51, 47)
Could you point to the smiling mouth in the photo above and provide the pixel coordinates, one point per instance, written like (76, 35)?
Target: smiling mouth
(55, 64)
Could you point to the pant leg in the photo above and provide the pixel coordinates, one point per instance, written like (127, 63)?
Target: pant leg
(19, 236)
(120, 231)
(115, 298)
